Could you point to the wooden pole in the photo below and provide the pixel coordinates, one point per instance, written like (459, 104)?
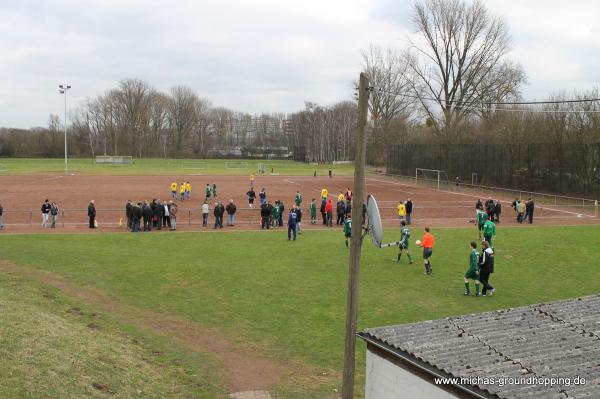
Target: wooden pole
(355, 247)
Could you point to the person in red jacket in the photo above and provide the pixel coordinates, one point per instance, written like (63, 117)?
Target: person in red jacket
(329, 212)
(427, 244)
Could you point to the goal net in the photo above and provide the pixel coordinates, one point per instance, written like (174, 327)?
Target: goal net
(433, 178)
(194, 164)
(236, 165)
(114, 159)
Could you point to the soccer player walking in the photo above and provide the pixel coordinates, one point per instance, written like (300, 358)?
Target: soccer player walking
(489, 232)
(251, 197)
(347, 229)
(174, 190)
(313, 211)
(401, 208)
(473, 270)
(404, 241)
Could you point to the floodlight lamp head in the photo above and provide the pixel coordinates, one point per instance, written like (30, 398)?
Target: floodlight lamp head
(60, 86)
(61, 91)
(68, 87)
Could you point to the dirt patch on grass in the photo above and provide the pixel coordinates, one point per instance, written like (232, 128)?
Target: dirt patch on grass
(243, 369)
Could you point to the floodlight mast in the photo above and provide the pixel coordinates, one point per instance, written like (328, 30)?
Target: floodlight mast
(62, 89)
(355, 247)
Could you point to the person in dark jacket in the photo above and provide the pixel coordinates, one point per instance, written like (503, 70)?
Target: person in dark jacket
(218, 212)
(323, 211)
(281, 209)
(231, 209)
(92, 214)
(348, 213)
(1, 212)
(298, 219)
(490, 208)
(136, 215)
(292, 220)
(479, 205)
(154, 213)
(409, 209)
(128, 214)
(498, 211)
(486, 267)
(340, 209)
(160, 213)
(265, 216)
(45, 212)
(529, 208)
(147, 213)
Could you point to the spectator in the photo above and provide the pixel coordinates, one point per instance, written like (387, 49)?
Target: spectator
(490, 208)
(205, 214)
(479, 205)
(262, 197)
(231, 209)
(298, 219)
(128, 214)
(521, 208)
(409, 208)
(218, 212)
(45, 212)
(323, 211)
(160, 213)
(329, 212)
(340, 212)
(166, 217)
(147, 214)
(91, 214)
(173, 215)
(136, 215)
(53, 214)
(529, 208)
(292, 220)
(498, 211)
(281, 210)
(457, 183)
(265, 215)
(1, 212)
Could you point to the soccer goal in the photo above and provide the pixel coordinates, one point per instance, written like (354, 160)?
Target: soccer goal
(236, 165)
(434, 178)
(114, 160)
(194, 164)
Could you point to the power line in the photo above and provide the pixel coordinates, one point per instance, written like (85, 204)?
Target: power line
(481, 103)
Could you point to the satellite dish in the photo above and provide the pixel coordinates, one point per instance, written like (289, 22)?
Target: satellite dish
(374, 226)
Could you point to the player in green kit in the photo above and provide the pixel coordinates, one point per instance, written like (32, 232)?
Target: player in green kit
(347, 230)
(473, 271)
(298, 199)
(313, 211)
(403, 243)
(489, 232)
(480, 220)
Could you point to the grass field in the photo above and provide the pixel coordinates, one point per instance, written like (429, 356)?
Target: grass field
(158, 166)
(284, 299)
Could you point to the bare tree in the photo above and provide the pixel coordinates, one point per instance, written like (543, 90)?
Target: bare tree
(181, 114)
(389, 74)
(457, 63)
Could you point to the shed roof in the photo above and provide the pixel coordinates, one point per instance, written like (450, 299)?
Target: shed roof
(558, 339)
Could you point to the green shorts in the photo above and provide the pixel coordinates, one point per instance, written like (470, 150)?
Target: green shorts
(471, 275)
(348, 235)
(488, 239)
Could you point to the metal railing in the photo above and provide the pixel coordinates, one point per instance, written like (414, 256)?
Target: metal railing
(574, 205)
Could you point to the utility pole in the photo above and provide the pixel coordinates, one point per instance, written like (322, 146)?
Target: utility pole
(355, 247)
(63, 90)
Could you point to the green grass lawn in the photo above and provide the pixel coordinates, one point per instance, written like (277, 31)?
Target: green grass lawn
(288, 298)
(158, 166)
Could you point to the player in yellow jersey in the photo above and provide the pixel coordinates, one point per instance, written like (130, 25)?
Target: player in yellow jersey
(174, 190)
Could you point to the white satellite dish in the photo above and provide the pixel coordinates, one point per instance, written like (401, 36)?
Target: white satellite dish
(374, 226)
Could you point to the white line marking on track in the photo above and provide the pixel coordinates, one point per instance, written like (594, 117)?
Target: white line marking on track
(293, 182)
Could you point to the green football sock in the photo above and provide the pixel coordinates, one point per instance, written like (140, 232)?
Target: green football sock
(399, 256)
(409, 257)
(477, 289)
(346, 243)
(467, 289)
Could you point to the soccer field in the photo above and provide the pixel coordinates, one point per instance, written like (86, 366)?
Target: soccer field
(274, 303)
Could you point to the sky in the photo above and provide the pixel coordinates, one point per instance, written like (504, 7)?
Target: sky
(252, 55)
